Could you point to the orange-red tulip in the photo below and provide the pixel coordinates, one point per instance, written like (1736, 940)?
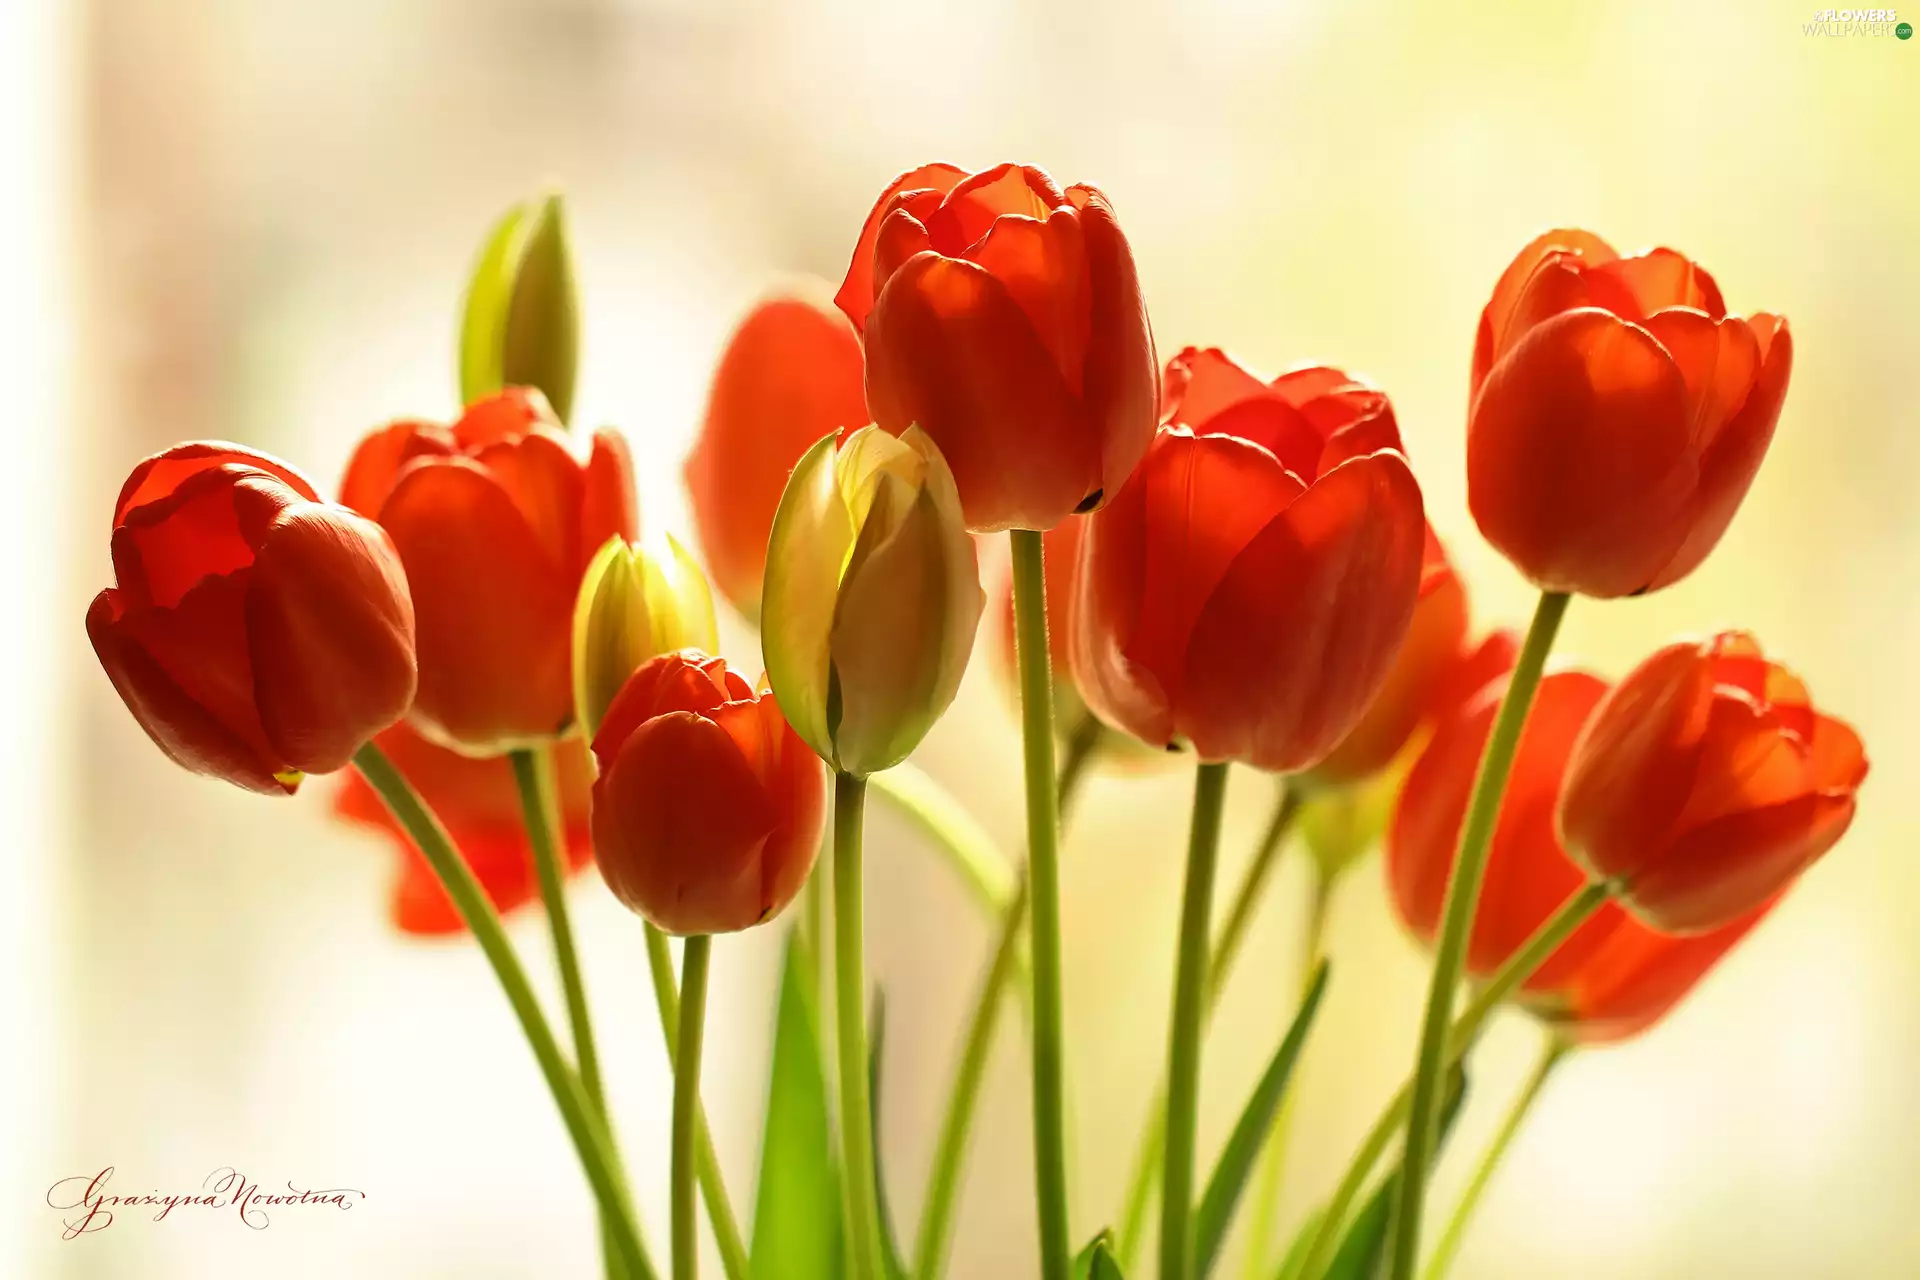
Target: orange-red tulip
(1003, 316)
(1614, 977)
(495, 519)
(791, 373)
(1619, 414)
(479, 803)
(709, 808)
(1706, 782)
(255, 632)
(1248, 589)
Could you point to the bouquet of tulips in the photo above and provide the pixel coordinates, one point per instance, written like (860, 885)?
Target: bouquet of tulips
(1203, 562)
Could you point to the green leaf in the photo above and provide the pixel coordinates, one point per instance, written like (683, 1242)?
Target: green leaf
(1365, 1246)
(1229, 1180)
(1296, 1259)
(796, 1219)
(876, 1045)
(521, 323)
(1095, 1262)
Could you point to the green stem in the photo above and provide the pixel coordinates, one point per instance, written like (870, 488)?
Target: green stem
(1183, 1035)
(1226, 949)
(1570, 915)
(1463, 896)
(694, 956)
(706, 1166)
(583, 1121)
(850, 1007)
(1551, 1053)
(1043, 874)
(943, 1178)
(955, 832)
(1273, 1158)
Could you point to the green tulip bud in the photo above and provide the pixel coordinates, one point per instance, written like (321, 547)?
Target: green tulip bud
(871, 597)
(634, 604)
(1341, 824)
(521, 325)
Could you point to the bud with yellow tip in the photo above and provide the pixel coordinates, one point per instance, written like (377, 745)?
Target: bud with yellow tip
(635, 603)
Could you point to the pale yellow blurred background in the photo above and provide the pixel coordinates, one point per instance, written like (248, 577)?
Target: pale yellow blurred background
(251, 220)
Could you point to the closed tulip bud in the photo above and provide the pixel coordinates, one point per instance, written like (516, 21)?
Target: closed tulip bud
(791, 373)
(256, 633)
(708, 810)
(495, 519)
(872, 597)
(1619, 414)
(1248, 590)
(1707, 782)
(634, 604)
(521, 324)
(1003, 317)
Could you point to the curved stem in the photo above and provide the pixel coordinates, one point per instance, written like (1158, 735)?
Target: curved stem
(1226, 949)
(1273, 1158)
(686, 1103)
(943, 1177)
(1551, 1053)
(954, 832)
(1570, 915)
(850, 1007)
(1183, 1035)
(706, 1161)
(1463, 896)
(584, 1124)
(1043, 874)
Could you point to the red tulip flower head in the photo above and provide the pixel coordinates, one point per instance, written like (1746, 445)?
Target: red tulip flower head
(256, 633)
(1248, 589)
(791, 373)
(1003, 316)
(495, 519)
(1619, 414)
(709, 809)
(1706, 782)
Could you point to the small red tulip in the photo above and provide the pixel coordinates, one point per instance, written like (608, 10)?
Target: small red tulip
(1248, 589)
(1619, 414)
(709, 808)
(255, 632)
(791, 373)
(495, 519)
(1706, 782)
(1614, 977)
(1003, 316)
(479, 803)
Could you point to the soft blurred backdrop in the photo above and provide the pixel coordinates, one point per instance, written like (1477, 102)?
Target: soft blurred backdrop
(246, 220)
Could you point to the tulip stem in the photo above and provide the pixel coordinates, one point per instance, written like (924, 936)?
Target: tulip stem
(694, 955)
(1572, 913)
(584, 1123)
(1551, 1054)
(850, 1009)
(1183, 1033)
(1463, 897)
(1043, 877)
(706, 1166)
(1226, 949)
(943, 1178)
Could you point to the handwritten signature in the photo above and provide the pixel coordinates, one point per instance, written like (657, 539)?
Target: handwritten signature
(86, 1196)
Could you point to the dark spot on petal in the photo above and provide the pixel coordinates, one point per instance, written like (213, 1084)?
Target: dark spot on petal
(1089, 502)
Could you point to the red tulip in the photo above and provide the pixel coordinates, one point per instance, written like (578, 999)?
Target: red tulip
(709, 808)
(495, 520)
(1619, 414)
(1003, 316)
(791, 373)
(1248, 589)
(1614, 977)
(480, 805)
(1707, 782)
(255, 632)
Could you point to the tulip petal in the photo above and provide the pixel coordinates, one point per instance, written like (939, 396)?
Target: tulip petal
(500, 860)
(976, 203)
(1110, 587)
(608, 505)
(163, 473)
(1121, 378)
(1839, 758)
(1635, 288)
(862, 284)
(1206, 382)
(812, 534)
(378, 460)
(1043, 266)
(542, 477)
(1638, 976)
(1717, 872)
(1579, 466)
(1294, 643)
(1500, 325)
(504, 417)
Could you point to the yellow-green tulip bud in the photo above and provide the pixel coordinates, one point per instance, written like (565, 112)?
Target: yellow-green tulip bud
(1341, 824)
(634, 604)
(521, 324)
(871, 598)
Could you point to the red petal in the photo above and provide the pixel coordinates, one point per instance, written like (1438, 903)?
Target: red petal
(1121, 380)
(164, 472)
(977, 202)
(1715, 873)
(1110, 584)
(1638, 976)
(1043, 267)
(1498, 328)
(1839, 758)
(503, 417)
(1636, 288)
(608, 503)
(380, 457)
(539, 472)
(685, 681)
(862, 284)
